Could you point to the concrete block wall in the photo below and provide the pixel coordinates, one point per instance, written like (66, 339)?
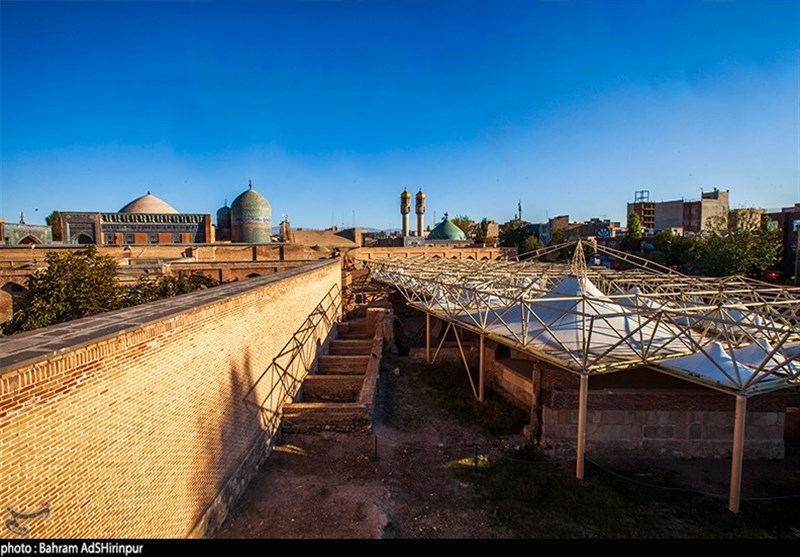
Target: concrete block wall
(515, 387)
(131, 423)
(688, 424)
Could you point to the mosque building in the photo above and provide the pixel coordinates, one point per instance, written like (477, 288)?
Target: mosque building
(145, 220)
(444, 234)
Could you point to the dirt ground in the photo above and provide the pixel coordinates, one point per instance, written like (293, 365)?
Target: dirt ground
(437, 467)
(331, 485)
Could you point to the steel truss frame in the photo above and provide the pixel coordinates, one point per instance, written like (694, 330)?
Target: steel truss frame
(647, 316)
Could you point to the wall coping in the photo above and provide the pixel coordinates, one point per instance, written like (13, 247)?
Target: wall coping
(39, 345)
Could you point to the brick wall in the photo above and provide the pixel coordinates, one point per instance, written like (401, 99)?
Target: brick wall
(131, 423)
(470, 252)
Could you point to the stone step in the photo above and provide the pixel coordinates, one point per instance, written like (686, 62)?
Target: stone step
(354, 335)
(300, 417)
(353, 329)
(350, 347)
(343, 365)
(332, 388)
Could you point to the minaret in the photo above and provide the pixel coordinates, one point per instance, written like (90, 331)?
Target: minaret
(405, 209)
(519, 207)
(420, 211)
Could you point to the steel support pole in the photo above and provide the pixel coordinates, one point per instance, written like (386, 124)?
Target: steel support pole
(738, 454)
(481, 391)
(583, 396)
(427, 337)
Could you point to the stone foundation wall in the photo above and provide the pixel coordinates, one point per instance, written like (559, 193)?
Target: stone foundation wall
(686, 424)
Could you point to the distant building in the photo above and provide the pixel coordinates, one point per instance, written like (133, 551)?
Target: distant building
(643, 207)
(21, 233)
(696, 213)
(690, 217)
(560, 226)
(492, 230)
(595, 227)
(145, 220)
(746, 219)
(788, 222)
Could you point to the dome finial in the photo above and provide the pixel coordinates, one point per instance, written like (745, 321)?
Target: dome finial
(445, 217)
(226, 202)
(251, 183)
(148, 192)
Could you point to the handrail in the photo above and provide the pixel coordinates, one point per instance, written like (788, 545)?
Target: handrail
(303, 346)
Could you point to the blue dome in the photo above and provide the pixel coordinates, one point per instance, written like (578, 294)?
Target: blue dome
(446, 230)
(251, 218)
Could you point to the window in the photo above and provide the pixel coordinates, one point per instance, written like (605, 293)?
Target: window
(128, 238)
(153, 238)
(110, 239)
(176, 238)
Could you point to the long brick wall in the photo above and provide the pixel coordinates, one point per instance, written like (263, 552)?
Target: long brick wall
(131, 423)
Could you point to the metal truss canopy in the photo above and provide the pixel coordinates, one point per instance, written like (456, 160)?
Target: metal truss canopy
(732, 334)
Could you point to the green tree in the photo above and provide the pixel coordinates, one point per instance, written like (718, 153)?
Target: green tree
(53, 220)
(633, 237)
(74, 284)
(514, 232)
(82, 283)
(736, 249)
(663, 241)
(529, 244)
(148, 289)
(464, 223)
(482, 232)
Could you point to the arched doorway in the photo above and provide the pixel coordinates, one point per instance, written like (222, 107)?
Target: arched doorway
(30, 240)
(12, 295)
(83, 239)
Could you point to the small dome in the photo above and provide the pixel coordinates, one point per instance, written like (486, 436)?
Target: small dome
(250, 201)
(446, 230)
(420, 194)
(148, 203)
(405, 194)
(223, 213)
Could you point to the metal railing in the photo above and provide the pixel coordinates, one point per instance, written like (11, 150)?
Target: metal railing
(293, 362)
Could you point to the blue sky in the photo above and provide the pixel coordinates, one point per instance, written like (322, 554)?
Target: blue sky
(331, 108)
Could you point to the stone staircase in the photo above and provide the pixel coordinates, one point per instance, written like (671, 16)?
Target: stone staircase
(339, 394)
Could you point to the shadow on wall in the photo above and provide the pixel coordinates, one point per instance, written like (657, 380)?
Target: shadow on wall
(225, 430)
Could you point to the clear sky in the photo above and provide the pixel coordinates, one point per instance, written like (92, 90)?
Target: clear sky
(332, 107)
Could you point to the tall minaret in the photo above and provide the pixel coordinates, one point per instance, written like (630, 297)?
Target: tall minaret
(405, 209)
(519, 207)
(420, 211)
